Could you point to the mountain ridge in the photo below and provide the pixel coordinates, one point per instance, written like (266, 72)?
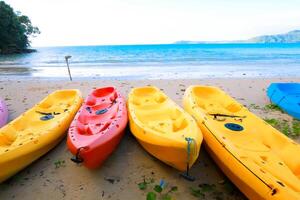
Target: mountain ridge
(289, 37)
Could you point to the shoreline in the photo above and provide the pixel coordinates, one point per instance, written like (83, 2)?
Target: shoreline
(25, 78)
(78, 74)
(70, 181)
(153, 72)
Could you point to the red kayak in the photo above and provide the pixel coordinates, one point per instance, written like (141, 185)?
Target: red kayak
(97, 127)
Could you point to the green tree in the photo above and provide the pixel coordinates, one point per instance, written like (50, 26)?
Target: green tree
(15, 30)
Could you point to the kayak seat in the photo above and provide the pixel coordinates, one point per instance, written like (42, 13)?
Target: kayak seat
(65, 97)
(284, 149)
(113, 97)
(148, 96)
(90, 101)
(289, 88)
(179, 124)
(92, 129)
(88, 122)
(159, 98)
(162, 126)
(8, 136)
(103, 92)
(233, 107)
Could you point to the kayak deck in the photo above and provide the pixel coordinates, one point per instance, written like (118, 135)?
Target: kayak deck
(163, 128)
(36, 131)
(98, 127)
(262, 153)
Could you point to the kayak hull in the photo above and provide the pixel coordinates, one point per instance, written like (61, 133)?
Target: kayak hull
(11, 167)
(162, 128)
(257, 158)
(228, 164)
(93, 158)
(98, 127)
(286, 96)
(34, 133)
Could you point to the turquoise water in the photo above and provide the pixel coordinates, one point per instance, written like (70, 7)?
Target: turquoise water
(160, 61)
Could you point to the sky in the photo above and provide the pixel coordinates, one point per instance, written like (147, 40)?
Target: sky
(109, 22)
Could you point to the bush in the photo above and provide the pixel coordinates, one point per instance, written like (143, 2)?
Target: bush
(15, 30)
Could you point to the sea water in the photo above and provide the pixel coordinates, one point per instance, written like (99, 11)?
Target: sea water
(165, 61)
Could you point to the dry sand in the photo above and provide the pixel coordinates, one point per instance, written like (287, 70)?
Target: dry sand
(120, 174)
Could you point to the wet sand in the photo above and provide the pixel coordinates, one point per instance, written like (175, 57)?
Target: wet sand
(15, 70)
(55, 176)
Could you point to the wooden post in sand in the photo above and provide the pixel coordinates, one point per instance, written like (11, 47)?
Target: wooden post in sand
(67, 61)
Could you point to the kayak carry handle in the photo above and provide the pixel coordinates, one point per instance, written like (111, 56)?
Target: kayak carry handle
(77, 159)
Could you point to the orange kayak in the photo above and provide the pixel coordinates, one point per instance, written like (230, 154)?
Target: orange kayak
(98, 127)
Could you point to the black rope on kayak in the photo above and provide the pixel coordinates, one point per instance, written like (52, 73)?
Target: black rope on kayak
(50, 113)
(46, 116)
(77, 159)
(186, 174)
(43, 113)
(224, 115)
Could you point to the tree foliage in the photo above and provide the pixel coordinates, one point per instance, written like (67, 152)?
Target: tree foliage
(15, 30)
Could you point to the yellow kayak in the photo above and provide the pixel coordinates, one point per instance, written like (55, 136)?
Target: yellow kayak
(262, 162)
(163, 128)
(36, 131)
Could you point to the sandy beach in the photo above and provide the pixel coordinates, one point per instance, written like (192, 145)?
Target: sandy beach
(168, 44)
(55, 176)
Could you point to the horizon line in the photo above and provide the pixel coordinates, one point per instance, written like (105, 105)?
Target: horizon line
(154, 44)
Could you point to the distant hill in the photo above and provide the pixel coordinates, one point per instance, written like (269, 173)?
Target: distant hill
(290, 37)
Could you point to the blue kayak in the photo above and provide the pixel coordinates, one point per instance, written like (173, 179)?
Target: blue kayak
(286, 96)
